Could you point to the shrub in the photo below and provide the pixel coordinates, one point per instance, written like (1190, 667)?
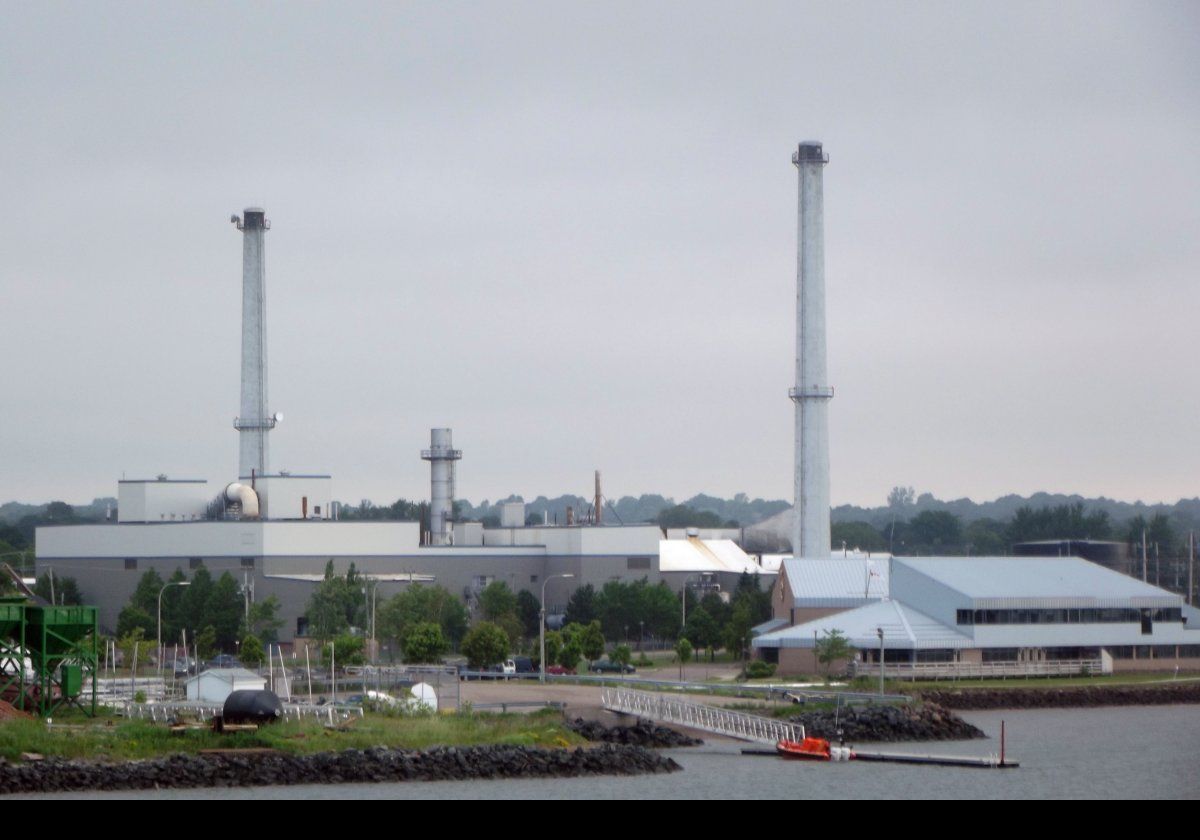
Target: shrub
(756, 669)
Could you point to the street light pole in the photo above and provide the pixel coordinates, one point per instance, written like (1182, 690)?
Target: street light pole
(160, 594)
(374, 640)
(542, 627)
(879, 631)
(686, 581)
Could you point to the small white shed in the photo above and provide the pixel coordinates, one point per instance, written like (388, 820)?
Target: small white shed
(215, 684)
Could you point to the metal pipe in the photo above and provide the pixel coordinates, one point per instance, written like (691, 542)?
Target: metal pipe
(811, 394)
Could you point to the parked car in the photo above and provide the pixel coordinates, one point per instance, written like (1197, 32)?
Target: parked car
(523, 665)
(607, 666)
(560, 671)
(223, 660)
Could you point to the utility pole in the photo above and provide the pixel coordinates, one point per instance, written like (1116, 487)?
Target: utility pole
(879, 630)
(1191, 567)
(1145, 560)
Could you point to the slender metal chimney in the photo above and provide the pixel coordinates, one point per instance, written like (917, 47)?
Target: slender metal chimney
(441, 456)
(810, 533)
(253, 422)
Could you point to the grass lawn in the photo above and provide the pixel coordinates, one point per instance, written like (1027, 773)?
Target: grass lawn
(116, 739)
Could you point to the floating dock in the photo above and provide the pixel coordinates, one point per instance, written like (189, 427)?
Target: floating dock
(910, 758)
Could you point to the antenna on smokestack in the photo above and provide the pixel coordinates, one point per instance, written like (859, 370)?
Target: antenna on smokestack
(811, 531)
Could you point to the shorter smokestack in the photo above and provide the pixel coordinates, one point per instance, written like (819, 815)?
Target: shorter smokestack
(441, 456)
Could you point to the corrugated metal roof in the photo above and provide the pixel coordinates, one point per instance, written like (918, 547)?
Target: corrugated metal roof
(1032, 582)
(696, 555)
(903, 627)
(769, 626)
(838, 582)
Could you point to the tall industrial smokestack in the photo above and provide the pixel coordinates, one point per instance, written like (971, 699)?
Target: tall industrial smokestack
(810, 533)
(253, 422)
(441, 456)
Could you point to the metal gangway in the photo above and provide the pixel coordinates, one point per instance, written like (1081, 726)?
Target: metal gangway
(714, 719)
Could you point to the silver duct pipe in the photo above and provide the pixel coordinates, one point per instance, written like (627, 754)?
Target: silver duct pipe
(246, 496)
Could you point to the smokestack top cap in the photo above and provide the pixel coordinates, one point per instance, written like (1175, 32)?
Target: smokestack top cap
(810, 150)
(254, 217)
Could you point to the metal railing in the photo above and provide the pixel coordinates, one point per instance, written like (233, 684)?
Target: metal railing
(975, 670)
(167, 712)
(116, 692)
(765, 691)
(739, 725)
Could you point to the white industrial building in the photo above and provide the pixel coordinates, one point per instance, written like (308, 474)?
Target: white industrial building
(286, 557)
(970, 616)
(216, 684)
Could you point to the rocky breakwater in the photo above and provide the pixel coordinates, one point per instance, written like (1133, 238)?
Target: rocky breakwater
(1159, 694)
(914, 722)
(350, 766)
(642, 734)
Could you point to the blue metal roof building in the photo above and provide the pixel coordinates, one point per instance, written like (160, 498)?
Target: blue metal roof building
(967, 611)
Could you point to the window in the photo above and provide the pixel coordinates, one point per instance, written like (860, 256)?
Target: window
(638, 564)
(247, 562)
(533, 578)
(130, 564)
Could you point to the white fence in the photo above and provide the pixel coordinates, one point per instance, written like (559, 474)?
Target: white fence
(977, 670)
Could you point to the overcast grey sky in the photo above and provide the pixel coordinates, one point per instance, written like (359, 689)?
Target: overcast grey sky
(567, 230)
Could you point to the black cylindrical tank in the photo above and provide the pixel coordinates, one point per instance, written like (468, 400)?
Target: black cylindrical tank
(248, 706)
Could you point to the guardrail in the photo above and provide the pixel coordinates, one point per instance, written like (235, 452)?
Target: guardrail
(714, 719)
(976, 670)
(765, 691)
(530, 704)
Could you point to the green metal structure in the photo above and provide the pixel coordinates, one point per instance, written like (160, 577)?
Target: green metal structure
(47, 655)
(12, 650)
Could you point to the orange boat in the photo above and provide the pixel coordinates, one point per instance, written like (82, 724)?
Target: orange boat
(810, 749)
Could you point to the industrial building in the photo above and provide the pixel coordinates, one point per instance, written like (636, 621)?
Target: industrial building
(937, 616)
(276, 532)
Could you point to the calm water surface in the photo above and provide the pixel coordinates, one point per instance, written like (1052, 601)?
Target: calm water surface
(1129, 753)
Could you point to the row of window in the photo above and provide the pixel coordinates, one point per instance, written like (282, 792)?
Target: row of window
(1155, 652)
(131, 563)
(1068, 616)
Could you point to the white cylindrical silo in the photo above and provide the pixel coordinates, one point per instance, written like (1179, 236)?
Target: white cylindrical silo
(810, 533)
(441, 456)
